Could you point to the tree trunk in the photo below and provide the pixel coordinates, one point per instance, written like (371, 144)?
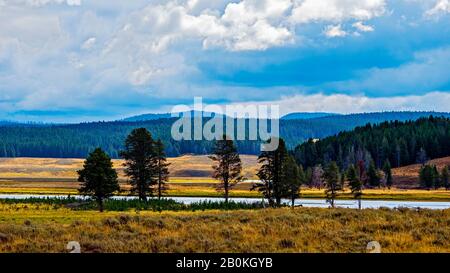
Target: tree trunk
(226, 188)
(159, 188)
(359, 204)
(100, 204)
(278, 200)
(293, 201)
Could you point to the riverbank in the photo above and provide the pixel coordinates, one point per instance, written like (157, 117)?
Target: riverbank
(44, 228)
(196, 191)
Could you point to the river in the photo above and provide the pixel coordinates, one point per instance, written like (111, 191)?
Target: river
(317, 203)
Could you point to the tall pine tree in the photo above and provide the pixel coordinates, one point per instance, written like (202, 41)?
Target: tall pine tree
(445, 178)
(355, 184)
(161, 168)
(270, 173)
(140, 162)
(332, 182)
(373, 178)
(292, 179)
(388, 174)
(99, 179)
(227, 165)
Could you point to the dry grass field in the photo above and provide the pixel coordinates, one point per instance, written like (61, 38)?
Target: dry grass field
(190, 177)
(47, 175)
(44, 228)
(407, 177)
(183, 168)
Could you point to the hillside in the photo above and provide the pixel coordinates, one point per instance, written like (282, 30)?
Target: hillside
(76, 140)
(183, 167)
(408, 176)
(401, 143)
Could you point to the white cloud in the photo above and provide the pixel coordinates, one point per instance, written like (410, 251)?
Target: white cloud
(441, 6)
(337, 10)
(334, 31)
(89, 43)
(40, 3)
(345, 104)
(362, 27)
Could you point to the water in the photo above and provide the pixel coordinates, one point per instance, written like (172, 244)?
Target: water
(316, 203)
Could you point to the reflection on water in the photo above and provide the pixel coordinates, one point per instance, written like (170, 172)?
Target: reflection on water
(318, 203)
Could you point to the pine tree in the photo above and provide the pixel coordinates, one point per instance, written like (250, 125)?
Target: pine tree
(227, 165)
(270, 173)
(354, 183)
(445, 178)
(140, 162)
(99, 179)
(428, 176)
(332, 185)
(373, 177)
(162, 168)
(388, 173)
(436, 178)
(292, 179)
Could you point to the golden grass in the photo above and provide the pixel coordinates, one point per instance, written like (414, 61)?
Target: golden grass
(202, 190)
(190, 177)
(43, 228)
(183, 168)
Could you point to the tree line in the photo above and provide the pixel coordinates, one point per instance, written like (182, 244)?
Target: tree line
(282, 172)
(78, 140)
(431, 178)
(398, 143)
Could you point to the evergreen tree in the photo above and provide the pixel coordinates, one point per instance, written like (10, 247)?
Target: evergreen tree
(332, 184)
(162, 168)
(308, 176)
(436, 178)
(227, 165)
(270, 173)
(373, 178)
(388, 173)
(292, 179)
(445, 178)
(99, 179)
(428, 175)
(355, 183)
(140, 162)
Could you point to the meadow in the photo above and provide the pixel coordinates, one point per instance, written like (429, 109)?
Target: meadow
(190, 177)
(48, 228)
(48, 225)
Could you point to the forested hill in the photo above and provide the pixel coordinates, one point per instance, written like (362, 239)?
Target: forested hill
(76, 140)
(402, 143)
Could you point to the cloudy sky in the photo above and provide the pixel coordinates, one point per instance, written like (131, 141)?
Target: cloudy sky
(73, 60)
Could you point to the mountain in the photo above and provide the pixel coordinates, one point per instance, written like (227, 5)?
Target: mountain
(77, 140)
(146, 117)
(307, 115)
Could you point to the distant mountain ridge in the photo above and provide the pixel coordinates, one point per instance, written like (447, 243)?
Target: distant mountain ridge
(145, 117)
(307, 115)
(77, 140)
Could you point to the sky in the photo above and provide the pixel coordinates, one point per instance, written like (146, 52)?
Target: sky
(85, 60)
